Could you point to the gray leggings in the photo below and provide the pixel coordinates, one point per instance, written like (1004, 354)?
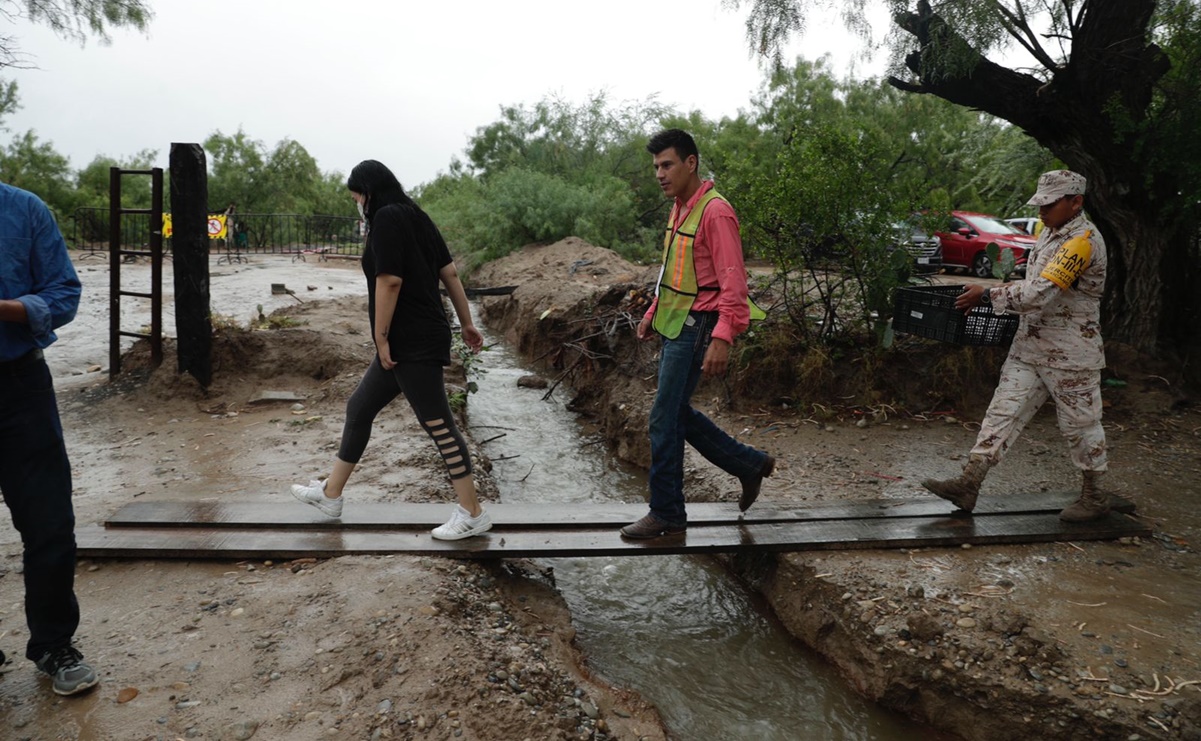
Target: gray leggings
(422, 385)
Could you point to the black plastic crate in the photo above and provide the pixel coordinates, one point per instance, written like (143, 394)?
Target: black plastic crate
(929, 311)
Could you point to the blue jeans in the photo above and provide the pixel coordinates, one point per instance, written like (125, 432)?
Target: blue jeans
(35, 478)
(673, 422)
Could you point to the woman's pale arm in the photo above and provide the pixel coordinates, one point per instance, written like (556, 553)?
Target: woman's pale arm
(458, 299)
(387, 290)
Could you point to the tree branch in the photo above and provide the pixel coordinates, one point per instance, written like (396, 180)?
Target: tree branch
(1018, 27)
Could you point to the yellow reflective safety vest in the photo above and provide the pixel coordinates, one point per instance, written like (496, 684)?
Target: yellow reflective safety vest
(677, 289)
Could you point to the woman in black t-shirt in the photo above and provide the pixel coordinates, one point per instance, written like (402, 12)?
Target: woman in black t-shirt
(404, 260)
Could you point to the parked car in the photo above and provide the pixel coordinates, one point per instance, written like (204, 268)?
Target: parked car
(926, 249)
(966, 241)
(1031, 225)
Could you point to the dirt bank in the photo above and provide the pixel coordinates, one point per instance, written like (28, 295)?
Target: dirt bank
(1064, 641)
(349, 648)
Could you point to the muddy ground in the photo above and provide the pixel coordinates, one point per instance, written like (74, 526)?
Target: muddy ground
(1066, 640)
(347, 648)
(1091, 640)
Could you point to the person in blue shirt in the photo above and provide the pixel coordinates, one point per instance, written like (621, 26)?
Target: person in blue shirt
(39, 292)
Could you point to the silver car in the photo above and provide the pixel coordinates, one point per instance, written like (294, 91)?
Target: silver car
(926, 249)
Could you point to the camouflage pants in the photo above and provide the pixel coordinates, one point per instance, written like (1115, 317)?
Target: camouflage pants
(1024, 388)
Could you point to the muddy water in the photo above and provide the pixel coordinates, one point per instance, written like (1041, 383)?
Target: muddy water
(678, 629)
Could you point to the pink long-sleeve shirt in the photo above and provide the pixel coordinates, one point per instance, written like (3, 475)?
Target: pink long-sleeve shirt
(717, 259)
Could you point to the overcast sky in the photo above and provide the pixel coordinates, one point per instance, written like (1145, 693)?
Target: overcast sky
(406, 83)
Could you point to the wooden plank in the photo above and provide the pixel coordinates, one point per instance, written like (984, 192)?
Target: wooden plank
(236, 543)
(421, 516)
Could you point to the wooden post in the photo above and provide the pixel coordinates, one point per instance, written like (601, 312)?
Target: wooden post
(190, 246)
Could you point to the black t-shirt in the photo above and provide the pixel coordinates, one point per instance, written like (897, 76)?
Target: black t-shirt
(420, 331)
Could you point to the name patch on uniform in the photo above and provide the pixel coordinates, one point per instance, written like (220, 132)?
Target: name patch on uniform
(1069, 261)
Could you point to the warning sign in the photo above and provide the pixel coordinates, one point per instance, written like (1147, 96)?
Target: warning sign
(217, 227)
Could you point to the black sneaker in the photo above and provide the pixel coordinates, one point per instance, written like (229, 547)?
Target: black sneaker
(69, 672)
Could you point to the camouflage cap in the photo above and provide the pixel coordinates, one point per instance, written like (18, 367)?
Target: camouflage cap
(1056, 184)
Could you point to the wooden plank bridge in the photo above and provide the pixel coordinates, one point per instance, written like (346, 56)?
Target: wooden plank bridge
(286, 529)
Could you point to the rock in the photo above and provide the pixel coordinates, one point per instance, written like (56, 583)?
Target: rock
(266, 397)
(532, 382)
(126, 694)
(923, 627)
(240, 731)
(966, 622)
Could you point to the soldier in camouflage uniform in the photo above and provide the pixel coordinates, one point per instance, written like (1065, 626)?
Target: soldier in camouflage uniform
(1057, 352)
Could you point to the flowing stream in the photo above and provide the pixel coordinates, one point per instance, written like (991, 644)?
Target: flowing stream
(680, 630)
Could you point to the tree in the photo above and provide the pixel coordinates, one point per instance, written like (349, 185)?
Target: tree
(71, 19)
(237, 169)
(583, 144)
(92, 182)
(1115, 94)
(37, 166)
(25, 162)
(9, 102)
(550, 171)
(292, 177)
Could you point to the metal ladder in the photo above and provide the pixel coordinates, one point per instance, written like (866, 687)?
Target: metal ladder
(117, 255)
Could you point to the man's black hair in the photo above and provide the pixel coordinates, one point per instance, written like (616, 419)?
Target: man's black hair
(676, 139)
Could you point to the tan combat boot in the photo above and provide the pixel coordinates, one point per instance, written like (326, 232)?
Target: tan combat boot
(962, 490)
(1093, 503)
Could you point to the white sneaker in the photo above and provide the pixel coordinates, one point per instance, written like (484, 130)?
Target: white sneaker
(462, 525)
(314, 494)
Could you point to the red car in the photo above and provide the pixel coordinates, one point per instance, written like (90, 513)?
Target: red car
(965, 243)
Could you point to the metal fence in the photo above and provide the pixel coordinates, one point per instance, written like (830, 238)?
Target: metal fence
(282, 234)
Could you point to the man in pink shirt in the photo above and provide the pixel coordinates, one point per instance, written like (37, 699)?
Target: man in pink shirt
(700, 306)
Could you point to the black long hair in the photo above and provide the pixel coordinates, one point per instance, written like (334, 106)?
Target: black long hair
(373, 179)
